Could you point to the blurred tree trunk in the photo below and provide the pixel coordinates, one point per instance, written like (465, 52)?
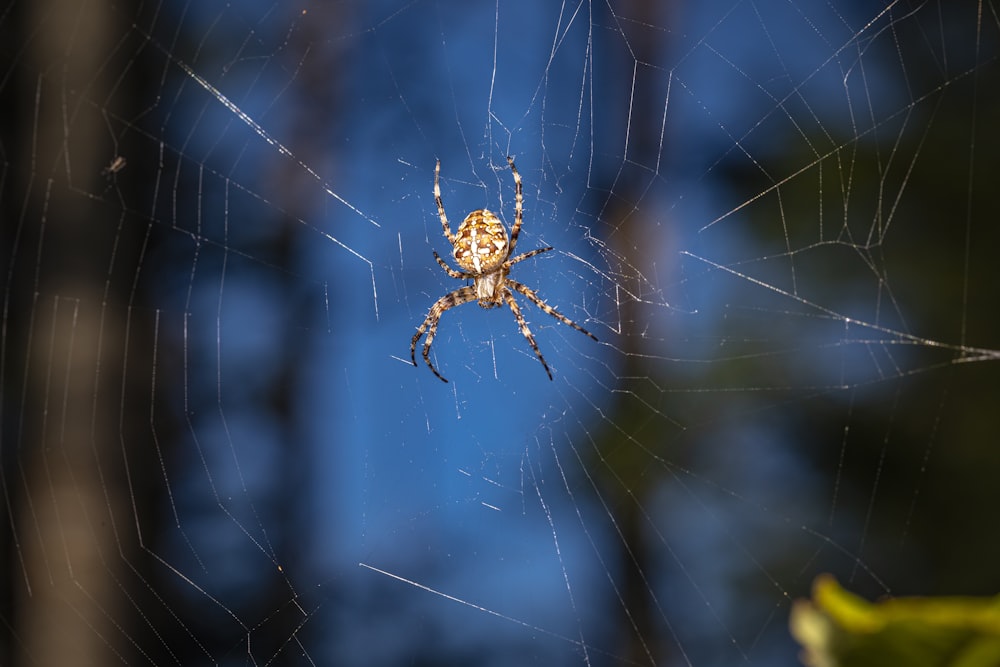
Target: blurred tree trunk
(639, 239)
(71, 517)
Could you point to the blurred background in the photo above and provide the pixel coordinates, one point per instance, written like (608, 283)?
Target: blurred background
(218, 228)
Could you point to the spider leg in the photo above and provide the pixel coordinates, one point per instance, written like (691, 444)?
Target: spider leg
(530, 294)
(460, 275)
(525, 255)
(437, 200)
(430, 324)
(509, 298)
(518, 204)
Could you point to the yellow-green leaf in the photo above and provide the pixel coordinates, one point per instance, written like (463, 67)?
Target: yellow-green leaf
(839, 629)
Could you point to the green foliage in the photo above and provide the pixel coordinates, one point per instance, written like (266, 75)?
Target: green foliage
(839, 629)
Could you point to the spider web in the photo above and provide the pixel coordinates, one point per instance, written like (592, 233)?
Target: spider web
(218, 227)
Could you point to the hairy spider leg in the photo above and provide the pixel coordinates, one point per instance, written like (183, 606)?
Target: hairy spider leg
(430, 325)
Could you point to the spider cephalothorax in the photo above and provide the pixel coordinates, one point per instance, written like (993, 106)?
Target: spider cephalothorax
(482, 249)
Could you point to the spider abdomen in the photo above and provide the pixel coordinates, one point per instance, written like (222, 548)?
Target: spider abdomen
(481, 242)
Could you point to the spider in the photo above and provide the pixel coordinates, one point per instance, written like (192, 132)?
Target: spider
(482, 249)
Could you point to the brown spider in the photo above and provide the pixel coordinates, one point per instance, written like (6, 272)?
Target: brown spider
(482, 249)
